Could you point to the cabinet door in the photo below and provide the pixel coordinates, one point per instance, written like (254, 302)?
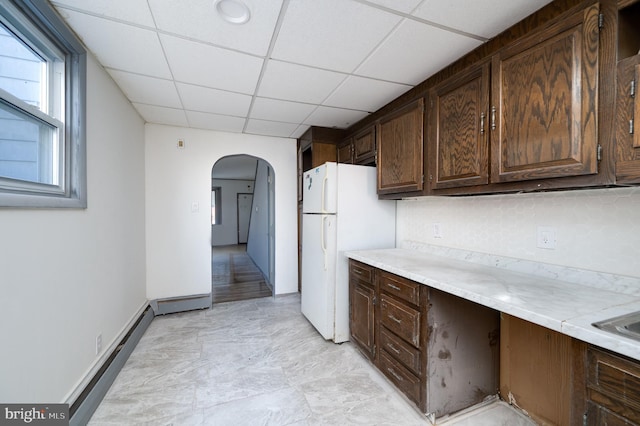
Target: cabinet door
(544, 103)
(364, 146)
(362, 316)
(400, 155)
(628, 121)
(345, 152)
(457, 142)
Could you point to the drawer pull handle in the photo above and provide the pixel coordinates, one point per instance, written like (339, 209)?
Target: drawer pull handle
(357, 271)
(391, 317)
(395, 287)
(394, 374)
(393, 348)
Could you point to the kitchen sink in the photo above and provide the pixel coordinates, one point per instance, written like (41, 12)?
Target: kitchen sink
(625, 325)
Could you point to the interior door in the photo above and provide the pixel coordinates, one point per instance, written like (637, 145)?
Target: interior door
(245, 201)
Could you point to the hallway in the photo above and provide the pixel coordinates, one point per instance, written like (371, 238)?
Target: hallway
(235, 276)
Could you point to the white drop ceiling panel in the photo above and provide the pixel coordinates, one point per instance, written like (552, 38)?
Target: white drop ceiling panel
(277, 110)
(331, 34)
(162, 115)
(206, 65)
(136, 11)
(203, 120)
(298, 83)
(204, 99)
(295, 63)
(414, 52)
(497, 15)
(147, 90)
(334, 117)
(120, 46)
(270, 128)
(365, 94)
(199, 20)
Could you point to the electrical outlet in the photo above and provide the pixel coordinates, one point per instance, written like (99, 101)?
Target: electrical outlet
(98, 344)
(546, 237)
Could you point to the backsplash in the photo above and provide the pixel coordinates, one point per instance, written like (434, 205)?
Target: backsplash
(596, 230)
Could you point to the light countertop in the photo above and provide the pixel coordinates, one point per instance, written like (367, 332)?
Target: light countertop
(562, 306)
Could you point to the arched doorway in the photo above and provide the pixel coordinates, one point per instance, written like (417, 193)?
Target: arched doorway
(242, 228)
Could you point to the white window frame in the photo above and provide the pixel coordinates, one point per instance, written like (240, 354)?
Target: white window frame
(37, 21)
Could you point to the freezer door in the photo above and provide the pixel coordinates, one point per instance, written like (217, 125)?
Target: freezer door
(318, 272)
(319, 189)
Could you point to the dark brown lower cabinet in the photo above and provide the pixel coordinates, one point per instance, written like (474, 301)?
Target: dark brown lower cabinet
(441, 351)
(613, 389)
(361, 307)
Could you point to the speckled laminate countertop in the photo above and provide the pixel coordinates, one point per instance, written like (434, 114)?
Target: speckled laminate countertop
(563, 306)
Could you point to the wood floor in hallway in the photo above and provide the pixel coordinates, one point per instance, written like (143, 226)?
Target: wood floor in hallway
(235, 276)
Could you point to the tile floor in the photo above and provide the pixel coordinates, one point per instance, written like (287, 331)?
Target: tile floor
(257, 362)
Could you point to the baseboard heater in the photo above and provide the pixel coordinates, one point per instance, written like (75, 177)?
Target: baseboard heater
(181, 304)
(87, 402)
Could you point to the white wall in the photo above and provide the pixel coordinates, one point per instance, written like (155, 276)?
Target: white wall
(179, 240)
(597, 230)
(68, 275)
(258, 244)
(226, 233)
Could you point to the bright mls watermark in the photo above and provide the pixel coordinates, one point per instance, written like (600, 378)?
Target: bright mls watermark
(34, 414)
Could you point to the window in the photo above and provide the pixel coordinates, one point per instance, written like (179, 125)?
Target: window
(42, 93)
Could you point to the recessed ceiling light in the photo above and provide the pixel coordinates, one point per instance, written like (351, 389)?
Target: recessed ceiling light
(234, 11)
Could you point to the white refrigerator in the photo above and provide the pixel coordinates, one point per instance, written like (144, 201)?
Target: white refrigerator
(340, 212)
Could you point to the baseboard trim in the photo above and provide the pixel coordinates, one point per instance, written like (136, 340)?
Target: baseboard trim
(181, 304)
(89, 399)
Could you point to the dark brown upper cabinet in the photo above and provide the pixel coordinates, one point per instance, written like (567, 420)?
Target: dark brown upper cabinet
(628, 99)
(399, 138)
(364, 146)
(345, 151)
(544, 113)
(457, 144)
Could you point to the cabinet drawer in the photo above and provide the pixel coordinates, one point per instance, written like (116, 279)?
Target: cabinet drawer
(401, 319)
(613, 382)
(400, 287)
(361, 272)
(398, 349)
(400, 376)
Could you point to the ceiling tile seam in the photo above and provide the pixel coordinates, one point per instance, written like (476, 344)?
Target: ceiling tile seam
(106, 17)
(265, 60)
(423, 21)
(371, 52)
(303, 128)
(157, 30)
(348, 74)
(244, 94)
(166, 59)
(177, 81)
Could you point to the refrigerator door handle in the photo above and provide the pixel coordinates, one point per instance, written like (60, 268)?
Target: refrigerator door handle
(322, 242)
(322, 200)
